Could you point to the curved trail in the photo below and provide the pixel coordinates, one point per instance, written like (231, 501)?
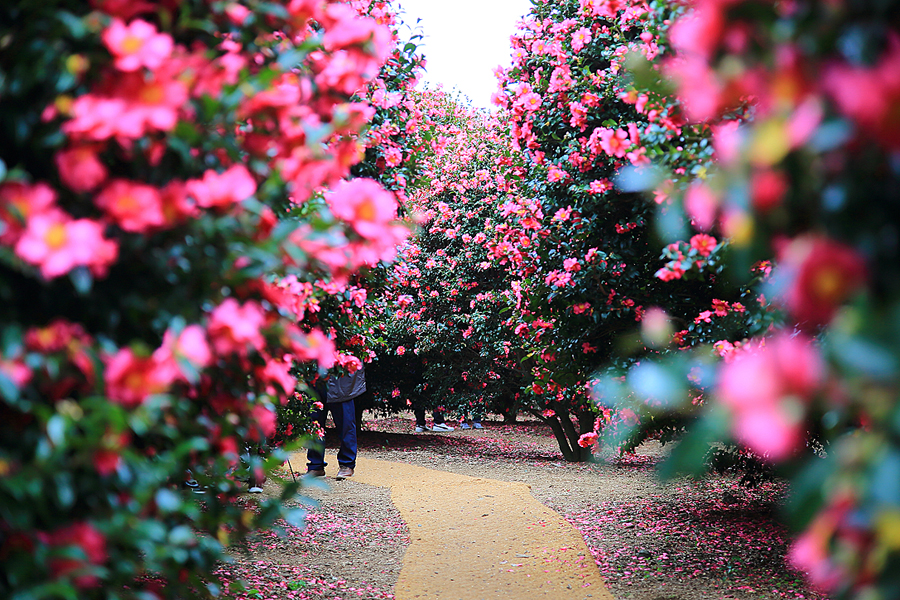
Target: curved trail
(474, 538)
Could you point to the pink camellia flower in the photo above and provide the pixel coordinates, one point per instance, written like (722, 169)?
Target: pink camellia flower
(670, 272)
(581, 307)
(811, 551)
(701, 205)
(176, 206)
(238, 13)
(136, 45)
(80, 169)
(869, 95)
(697, 33)
(401, 350)
(233, 327)
(190, 346)
(367, 206)
(348, 361)
(548, 413)
(703, 244)
(530, 101)
(135, 207)
(727, 141)
(131, 107)
(767, 389)
(90, 541)
(571, 264)
(131, 378)
(108, 457)
(222, 190)
(820, 275)
(106, 461)
(699, 88)
(656, 327)
(58, 244)
(600, 186)
(16, 371)
(347, 28)
(315, 345)
(588, 439)
(18, 201)
(344, 71)
(580, 39)
(278, 372)
(265, 420)
(615, 142)
(556, 174)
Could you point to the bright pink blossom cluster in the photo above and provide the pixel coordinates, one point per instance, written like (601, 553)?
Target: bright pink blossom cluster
(684, 257)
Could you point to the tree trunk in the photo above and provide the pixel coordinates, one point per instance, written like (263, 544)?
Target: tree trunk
(566, 435)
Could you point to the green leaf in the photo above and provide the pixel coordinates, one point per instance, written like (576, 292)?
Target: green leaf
(687, 458)
(181, 535)
(8, 390)
(56, 430)
(167, 500)
(296, 517)
(82, 280)
(75, 25)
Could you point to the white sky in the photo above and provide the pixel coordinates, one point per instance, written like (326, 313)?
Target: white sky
(464, 41)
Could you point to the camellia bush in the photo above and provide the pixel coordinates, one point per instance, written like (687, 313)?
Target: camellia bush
(802, 99)
(396, 136)
(168, 171)
(446, 343)
(581, 242)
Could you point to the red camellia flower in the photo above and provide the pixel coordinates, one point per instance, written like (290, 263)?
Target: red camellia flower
(131, 378)
(822, 275)
(703, 244)
(767, 189)
(134, 206)
(88, 539)
(80, 168)
(588, 439)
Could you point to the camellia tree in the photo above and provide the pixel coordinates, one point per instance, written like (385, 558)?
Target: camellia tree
(161, 186)
(581, 243)
(446, 344)
(803, 100)
(395, 138)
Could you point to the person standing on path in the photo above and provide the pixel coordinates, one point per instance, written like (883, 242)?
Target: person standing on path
(439, 424)
(476, 422)
(339, 395)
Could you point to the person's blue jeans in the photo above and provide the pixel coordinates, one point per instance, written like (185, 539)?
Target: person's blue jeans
(420, 416)
(344, 414)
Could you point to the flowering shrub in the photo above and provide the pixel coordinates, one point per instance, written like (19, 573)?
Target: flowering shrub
(445, 341)
(580, 242)
(397, 129)
(802, 101)
(161, 220)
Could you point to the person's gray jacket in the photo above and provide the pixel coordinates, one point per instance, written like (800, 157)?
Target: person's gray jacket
(348, 387)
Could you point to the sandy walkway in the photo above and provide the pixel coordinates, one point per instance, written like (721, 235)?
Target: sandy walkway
(476, 538)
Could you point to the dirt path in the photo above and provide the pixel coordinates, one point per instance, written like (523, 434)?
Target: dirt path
(475, 538)
(679, 540)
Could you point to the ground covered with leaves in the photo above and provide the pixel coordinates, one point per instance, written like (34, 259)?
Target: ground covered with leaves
(680, 540)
